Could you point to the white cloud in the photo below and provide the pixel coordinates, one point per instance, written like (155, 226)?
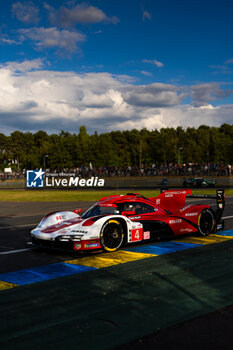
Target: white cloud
(24, 66)
(54, 38)
(91, 100)
(41, 99)
(188, 116)
(26, 12)
(202, 94)
(222, 68)
(81, 13)
(154, 95)
(148, 74)
(9, 41)
(155, 62)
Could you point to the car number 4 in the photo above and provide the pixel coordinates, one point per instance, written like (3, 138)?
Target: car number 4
(136, 235)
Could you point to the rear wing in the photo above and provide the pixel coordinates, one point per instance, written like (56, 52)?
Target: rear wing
(174, 199)
(220, 200)
(219, 196)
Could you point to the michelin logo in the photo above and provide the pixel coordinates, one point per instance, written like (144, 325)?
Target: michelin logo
(35, 178)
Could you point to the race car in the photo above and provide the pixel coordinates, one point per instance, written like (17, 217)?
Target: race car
(125, 219)
(198, 182)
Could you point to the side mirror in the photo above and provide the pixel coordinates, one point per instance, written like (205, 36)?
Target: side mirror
(128, 212)
(78, 211)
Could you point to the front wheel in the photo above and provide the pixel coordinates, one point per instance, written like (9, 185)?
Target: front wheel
(111, 236)
(206, 222)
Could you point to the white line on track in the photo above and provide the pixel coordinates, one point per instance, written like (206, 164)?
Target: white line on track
(15, 251)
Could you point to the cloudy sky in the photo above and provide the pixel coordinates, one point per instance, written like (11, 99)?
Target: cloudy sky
(115, 64)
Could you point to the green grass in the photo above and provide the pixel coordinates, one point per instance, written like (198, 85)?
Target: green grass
(74, 196)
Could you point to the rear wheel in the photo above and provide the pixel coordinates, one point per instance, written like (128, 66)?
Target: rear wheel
(111, 236)
(206, 222)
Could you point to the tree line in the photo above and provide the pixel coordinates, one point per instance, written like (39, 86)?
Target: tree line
(205, 144)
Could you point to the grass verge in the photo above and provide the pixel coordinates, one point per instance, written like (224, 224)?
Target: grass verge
(74, 196)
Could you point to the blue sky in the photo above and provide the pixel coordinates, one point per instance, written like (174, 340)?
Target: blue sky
(114, 65)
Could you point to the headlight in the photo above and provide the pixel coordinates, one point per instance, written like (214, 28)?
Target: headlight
(64, 238)
(77, 237)
(67, 238)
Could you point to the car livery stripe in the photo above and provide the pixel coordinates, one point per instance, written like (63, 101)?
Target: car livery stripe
(102, 260)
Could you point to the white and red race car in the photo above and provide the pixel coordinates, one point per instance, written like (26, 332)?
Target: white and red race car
(67, 230)
(119, 219)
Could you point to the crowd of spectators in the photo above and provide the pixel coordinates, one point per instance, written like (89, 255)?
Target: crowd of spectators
(171, 169)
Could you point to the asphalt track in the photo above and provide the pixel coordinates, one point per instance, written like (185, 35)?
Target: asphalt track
(173, 294)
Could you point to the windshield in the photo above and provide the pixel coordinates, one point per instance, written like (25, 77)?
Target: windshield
(97, 210)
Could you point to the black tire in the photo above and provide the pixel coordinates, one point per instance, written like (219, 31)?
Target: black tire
(111, 236)
(206, 222)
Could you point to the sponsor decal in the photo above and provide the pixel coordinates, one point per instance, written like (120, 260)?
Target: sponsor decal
(186, 230)
(146, 235)
(138, 225)
(63, 231)
(78, 231)
(171, 194)
(77, 246)
(91, 245)
(35, 178)
(185, 208)
(191, 214)
(175, 221)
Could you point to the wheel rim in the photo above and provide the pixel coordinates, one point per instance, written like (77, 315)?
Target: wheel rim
(206, 223)
(112, 237)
